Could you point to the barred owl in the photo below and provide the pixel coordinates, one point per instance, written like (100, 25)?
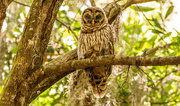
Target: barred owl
(96, 39)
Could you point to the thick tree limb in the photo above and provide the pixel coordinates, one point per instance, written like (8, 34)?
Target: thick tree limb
(42, 80)
(65, 64)
(115, 60)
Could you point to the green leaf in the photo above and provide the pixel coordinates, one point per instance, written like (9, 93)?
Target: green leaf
(157, 24)
(169, 11)
(12, 47)
(76, 29)
(177, 38)
(153, 39)
(165, 35)
(16, 29)
(157, 31)
(142, 9)
(177, 32)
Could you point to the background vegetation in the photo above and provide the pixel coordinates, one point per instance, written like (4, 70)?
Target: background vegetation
(140, 28)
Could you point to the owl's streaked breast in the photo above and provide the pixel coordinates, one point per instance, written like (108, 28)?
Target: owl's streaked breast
(96, 41)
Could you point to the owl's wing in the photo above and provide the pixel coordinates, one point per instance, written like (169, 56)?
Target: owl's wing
(112, 34)
(80, 54)
(81, 47)
(99, 75)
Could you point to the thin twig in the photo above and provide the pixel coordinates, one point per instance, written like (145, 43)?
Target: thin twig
(21, 3)
(146, 75)
(130, 2)
(78, 11)
(68, 27)
(127, 4)
(168, 75)
(151, 51)
(127, 75)
(144, 15)
(148, 20)
(156, 48)
(93, 4)
(64, 90)
(164, 102)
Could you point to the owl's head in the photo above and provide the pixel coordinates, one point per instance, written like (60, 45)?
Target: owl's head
(93, 17)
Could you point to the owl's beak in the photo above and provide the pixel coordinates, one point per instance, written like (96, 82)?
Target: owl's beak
(93, 22)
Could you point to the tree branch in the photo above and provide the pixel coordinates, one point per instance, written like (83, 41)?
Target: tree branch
(164, 102)
(68, 27)
(40, 80)
(130, 2)
(146, 75)
(66, 64)
(93, 4)
(156, 48)
(3, 6)
(116, 60)
(21, 3)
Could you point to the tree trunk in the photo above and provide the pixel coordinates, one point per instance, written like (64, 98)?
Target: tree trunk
(31, 49)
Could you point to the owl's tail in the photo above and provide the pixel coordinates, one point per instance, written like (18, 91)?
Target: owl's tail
(99, 89)
(98, 79)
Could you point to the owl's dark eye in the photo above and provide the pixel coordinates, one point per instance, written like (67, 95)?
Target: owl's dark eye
(98, 16)
(88, 16)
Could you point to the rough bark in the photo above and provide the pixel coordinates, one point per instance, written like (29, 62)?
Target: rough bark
(28, 78)
(2, 14)
(31, 48)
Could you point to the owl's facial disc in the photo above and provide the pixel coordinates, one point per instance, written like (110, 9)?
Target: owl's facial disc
(93, 17)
